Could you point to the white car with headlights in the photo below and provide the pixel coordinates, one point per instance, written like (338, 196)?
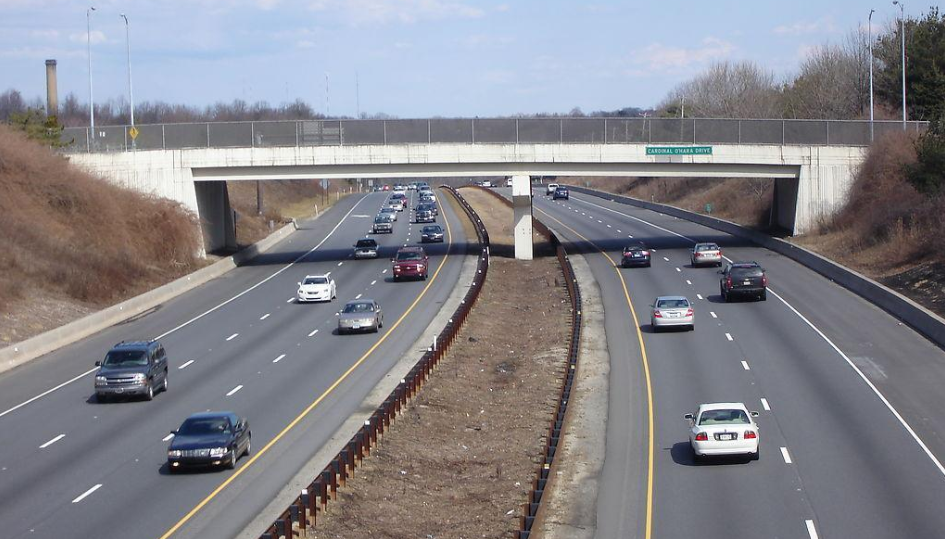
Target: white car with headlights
(672, 311)
(723, 428)
(389, 210)
(316, 288)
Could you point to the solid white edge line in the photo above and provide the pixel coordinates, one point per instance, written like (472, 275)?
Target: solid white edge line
(885, 401)
(54, 440)
(233, 336)
(278, 359)
(765, 405)
(234, 390)
(811, 530)
(745, 365)
(729, 336)
(870, 384)
(186, 364)
(48, 391)
(85, 494)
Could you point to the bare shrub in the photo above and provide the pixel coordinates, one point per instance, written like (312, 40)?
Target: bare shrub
(79, 237)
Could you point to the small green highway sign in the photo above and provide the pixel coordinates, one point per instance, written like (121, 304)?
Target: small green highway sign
(679, 150)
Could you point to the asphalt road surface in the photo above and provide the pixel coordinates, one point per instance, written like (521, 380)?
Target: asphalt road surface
(72, 467)
(850, 399)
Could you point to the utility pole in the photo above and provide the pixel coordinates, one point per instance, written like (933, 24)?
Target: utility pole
(870, 38)
(131, 93)
(88, 37)
(357, 94)
(327, 97)
(902, 31)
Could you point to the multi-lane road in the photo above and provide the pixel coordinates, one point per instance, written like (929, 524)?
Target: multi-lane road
(71, 467)
(850, 399)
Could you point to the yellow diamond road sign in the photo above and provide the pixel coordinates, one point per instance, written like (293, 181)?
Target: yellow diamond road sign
(133, 132)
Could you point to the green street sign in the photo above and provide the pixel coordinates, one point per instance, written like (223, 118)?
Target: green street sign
(679, 150)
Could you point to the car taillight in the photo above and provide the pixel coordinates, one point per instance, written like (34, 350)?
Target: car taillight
(764, 280)
(646, 253)
(689, 312)
(702, 437)
(657, 314)
(728, 281)
(750, 435)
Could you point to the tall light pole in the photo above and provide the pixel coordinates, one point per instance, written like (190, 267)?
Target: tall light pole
(902, 31)
(870, 39)
(131, 93)
(88, 37)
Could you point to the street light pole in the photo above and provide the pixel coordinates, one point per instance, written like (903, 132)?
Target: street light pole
(88, 37)
(902, 31)
(870, 38)
(131, 93)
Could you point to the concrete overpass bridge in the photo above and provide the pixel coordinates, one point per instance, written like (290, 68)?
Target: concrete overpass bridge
(812, 162)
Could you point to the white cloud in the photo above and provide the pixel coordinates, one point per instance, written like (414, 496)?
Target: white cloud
(659, 58)
(359, 12)
(820, 26)
(44, 34)
(485, 41)
(97, 37)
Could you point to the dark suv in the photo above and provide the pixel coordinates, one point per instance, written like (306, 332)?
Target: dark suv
(561, 192)
(745, 279)
(136, 368)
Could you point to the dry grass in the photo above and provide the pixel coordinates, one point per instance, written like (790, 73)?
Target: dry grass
(71, 236)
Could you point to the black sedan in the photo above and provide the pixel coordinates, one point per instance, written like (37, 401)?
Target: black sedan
(431, 234)
(635, 254)
(209, 439)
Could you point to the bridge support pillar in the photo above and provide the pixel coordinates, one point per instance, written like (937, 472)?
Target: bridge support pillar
(216, 216)
(522, 216)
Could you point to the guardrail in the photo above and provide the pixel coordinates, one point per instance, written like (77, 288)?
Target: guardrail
(299, 133)
(535, 495)
(303, 512)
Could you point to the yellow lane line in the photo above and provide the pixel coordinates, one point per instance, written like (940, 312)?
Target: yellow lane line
(646, 371)
(317, 401)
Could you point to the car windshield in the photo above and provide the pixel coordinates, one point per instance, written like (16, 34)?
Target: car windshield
(359, 308)
(409, 255)
(707, 247)
(315, 280)
(672, 304)
(126, 358)
(431, 229)
(740, 273)
(634, 247)
(387, 210)
(366, 243)
(724, 417)
(199, 426)
(561, 190)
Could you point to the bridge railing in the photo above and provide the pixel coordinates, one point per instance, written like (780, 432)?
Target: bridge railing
(480, 131)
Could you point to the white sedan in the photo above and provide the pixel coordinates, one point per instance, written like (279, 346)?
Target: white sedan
(317, 288)
(723, 428)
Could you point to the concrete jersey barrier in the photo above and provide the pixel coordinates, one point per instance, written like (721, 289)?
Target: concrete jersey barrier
(929, 324)
(17, 354)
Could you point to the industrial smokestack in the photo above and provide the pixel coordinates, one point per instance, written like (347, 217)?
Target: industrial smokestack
(52, 94)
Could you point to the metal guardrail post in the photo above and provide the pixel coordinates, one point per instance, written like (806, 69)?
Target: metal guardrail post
(385, 131)
(472, 126)
(163, 138)
(208, 134)
(516, 131)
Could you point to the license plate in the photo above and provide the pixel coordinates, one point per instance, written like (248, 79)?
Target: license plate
(746, 283)
(637, 255)
(355, 327)
(726, 436)
(673, 315)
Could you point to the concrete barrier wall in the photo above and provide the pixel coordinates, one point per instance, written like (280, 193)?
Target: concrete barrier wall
(916, 316)
(44, 343)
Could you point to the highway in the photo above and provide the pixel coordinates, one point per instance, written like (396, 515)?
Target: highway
(72, 467)
(850, 400)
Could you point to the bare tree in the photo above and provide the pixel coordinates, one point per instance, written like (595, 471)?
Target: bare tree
(728, 90)
(833, 82)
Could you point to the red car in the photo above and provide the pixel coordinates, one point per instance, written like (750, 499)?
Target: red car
(411, 262)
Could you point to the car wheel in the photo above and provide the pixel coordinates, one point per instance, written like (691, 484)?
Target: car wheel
(150, 394)
(697, 458)
(231, 459)
(164, 383)
(102, 399)
(764, 296)
(692, 327)
(724, 295)
(648, 264)
(249, 445)
(171, 470)
(756, 455)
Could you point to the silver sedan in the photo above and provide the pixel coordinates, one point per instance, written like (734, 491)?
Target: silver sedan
(706, 253)
(360, 315)
(672, 311)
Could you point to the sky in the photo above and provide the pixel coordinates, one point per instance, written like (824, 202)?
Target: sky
(412, 58)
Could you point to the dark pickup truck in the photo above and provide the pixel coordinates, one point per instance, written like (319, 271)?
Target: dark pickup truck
(743, 279)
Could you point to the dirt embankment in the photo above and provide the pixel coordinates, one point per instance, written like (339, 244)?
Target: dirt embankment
(460, 461)
(71, 244)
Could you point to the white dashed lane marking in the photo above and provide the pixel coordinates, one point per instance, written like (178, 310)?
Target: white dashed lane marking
(373, 283)
(666, 259)
(340, 263)
(689, 283)
(233, 336)
(811, 530)
(678, 270)
(234, 390)
(786, 455)
(278, 359)
(358, 296)
(729, 336)
(265, 316)
(86, 494)
(745, 366)
(699, 296)
(713, 314)
(54, 440)
(186, 364)
(765, 405)
(312, 334)
(290, 300)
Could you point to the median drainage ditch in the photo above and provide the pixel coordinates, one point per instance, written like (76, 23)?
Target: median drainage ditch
(471, 454)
